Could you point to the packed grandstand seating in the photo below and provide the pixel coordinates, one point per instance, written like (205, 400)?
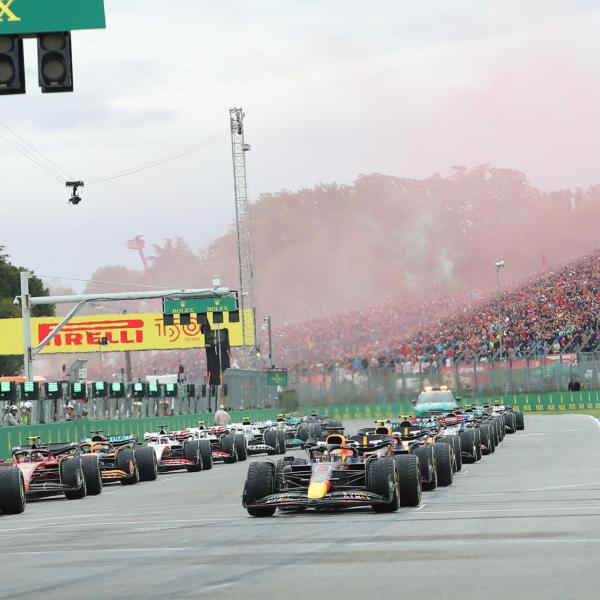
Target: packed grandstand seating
(550, 313)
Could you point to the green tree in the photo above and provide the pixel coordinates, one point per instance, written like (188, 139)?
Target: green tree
(10, 286)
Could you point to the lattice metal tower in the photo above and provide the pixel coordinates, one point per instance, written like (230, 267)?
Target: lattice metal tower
(247, 299)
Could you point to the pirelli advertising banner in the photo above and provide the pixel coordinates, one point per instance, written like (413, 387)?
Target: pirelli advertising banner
(144, 331)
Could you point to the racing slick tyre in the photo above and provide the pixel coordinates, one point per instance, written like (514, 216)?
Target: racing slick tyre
(443, 459)
(303, 433)
(457, 445)
(228, 445)
(486, 440)
(314, 430)
(272, 440)
(335, 424)
(477, 439)
(381, 477)
(427, 465)
(145, 458)
(71, 474)
(191, 451)
(12, 491)
(206, 454)
(454, 441)
(260, 482)
(497, 427)
(409, 475)
(467, 441)
(241, 446)
(91, 471)
(511, 422)
(520, 420)
(124, 461)
(281, 441)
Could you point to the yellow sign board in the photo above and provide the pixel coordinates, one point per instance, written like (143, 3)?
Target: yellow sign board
(129, 331)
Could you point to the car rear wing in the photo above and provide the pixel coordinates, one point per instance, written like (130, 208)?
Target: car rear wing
(122, 440)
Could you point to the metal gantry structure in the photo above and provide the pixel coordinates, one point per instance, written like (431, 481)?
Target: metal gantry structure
(247, 298)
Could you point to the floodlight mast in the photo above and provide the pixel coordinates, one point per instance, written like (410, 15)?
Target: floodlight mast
(247, 299)
(27, 301)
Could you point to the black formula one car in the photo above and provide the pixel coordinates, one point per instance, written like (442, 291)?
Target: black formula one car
(339, 473)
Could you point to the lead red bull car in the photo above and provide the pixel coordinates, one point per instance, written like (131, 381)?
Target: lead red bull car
(338, 474)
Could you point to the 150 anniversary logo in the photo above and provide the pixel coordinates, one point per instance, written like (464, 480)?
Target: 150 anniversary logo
(144, 331)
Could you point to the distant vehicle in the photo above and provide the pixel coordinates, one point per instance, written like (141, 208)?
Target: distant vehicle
(120, 458)
(173, 453)
(435, 400)
(261, 438)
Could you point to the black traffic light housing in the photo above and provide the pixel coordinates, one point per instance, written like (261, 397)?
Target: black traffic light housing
(117, 390)
(12, 65)
(54, 390)
(8, 390)
(77, 390)
(99, 389)
(55, 62)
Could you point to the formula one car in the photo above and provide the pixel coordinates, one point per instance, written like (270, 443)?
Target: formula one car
(260, 437)
(120, 458)
(467, 435)
(289, 425)
(225, 445)
(514, 420)
(337, 475)
(46, 470)
(176, 451)
(435, 457)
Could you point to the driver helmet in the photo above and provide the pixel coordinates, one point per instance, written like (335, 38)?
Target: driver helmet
(13, 408)
(221, 407)
(341, 453)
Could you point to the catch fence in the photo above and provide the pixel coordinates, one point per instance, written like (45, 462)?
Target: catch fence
(477, 378)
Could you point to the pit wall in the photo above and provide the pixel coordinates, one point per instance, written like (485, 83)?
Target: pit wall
(72, 431)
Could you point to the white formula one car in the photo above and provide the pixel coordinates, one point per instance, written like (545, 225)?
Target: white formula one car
(173, 453)
(262, 437)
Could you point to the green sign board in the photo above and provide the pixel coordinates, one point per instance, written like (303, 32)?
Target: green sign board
(199, 305)
(5, 386)
(41, 16)
(52, 386)
(277, 378)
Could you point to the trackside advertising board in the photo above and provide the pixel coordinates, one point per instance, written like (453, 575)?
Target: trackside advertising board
(42, 16)
(144, 331)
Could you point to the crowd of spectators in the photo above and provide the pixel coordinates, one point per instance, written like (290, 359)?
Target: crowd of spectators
(551, 313)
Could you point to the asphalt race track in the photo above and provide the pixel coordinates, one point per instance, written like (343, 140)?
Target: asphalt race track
(523, 523)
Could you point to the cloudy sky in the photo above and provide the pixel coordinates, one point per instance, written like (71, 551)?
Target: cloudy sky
(331, 89)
